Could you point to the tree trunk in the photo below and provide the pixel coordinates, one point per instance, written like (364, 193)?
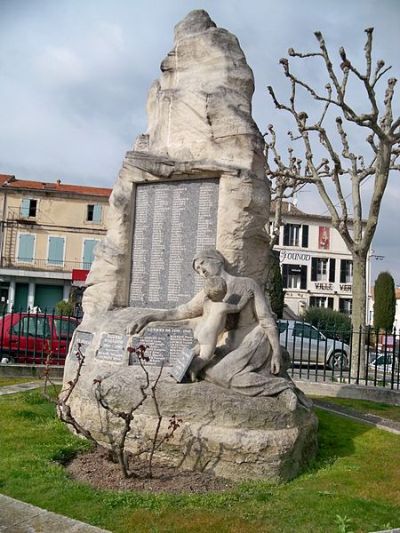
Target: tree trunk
(358, 366)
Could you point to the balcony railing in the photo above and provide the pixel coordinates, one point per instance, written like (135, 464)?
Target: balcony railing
(44, 264)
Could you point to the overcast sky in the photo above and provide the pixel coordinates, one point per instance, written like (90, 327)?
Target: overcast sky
(74, 76)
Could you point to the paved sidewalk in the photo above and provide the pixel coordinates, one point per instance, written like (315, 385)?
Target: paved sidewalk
(20, 387)
(19, 517)
(373, 420)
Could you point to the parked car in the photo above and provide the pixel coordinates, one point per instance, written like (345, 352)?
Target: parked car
(306, 344)
(384, 363)
(31, 337)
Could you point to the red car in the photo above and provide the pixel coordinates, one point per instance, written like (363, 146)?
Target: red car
(31, 337)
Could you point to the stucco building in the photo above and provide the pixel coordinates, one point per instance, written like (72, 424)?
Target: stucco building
(316, 266)
(48, 232)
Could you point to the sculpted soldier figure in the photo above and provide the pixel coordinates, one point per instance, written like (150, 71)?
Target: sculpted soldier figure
(248, 358)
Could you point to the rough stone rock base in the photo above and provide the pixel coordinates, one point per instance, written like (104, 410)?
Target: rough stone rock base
(234, 436)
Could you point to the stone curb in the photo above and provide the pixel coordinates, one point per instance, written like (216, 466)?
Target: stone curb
(373, 420)
(19, 517)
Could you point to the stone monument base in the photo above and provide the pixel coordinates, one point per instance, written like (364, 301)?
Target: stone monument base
(234, 436)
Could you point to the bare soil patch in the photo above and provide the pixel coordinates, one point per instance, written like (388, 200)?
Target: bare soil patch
(96, 469)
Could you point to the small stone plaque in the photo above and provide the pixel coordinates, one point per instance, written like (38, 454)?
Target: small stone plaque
(165, 345)
(179, 370)
(81, 341)
(113, 348)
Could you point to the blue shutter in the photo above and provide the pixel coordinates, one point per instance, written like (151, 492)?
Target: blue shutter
(97, 213)
(56, 251)
(88, 252)
(24, 210)
(25, 248)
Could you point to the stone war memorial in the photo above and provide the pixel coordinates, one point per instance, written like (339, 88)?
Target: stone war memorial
(181, 270)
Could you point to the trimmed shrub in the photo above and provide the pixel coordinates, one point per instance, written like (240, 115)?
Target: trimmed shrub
(331, 323)
(384, 302)
(274, 285)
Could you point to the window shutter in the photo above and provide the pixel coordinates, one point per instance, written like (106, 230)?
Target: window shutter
(88, 252)
(314, 269)
(24, 210)
(56, 250)
(303, 277)
(330, 303)
(332, 270)
(304, 237)
(343, 271)
(25, 248)
(285, 276)
(97, 213)
(286, 235)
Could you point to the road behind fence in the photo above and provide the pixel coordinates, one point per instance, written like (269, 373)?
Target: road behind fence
(317, 354)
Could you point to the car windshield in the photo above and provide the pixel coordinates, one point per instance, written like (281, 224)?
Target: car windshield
(65, 327)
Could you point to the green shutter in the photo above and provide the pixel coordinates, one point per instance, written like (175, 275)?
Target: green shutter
(88, 252)
(56, 251)
(24, 210)
(25, 248)
(97, 213)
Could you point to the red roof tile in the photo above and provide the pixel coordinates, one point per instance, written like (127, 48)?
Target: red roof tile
(11, 183)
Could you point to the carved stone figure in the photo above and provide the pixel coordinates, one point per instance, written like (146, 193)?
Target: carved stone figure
(249, 357)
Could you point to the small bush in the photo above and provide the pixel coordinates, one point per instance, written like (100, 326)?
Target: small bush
(64, 308)
(331, 323)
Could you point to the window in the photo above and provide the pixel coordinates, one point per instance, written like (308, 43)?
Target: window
(346, 271)
(295, 235)
(321, 301)
(345, 305)
(55, 254)
(305, 330)
(26, 245)
(65, 327)
(94, 213)
(323, 269)
(88, 252)
(28, 207)
(32, 326)
(294, 276)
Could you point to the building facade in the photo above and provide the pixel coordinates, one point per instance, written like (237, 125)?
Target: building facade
(317, 268)
(48, 232)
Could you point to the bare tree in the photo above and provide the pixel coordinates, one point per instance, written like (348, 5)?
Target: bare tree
(334, 166)
(283, 186)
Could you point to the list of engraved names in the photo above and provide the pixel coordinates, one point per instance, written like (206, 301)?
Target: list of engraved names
(173, 221)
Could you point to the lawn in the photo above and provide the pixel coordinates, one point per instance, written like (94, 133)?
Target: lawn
(6, 381)
(353, 486)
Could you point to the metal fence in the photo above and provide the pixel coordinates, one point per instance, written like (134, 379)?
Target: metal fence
(325, 354)
(322, 354)
(35, 337)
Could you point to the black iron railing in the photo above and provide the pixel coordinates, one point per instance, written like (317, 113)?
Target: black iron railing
(35, 338)
(327, 355)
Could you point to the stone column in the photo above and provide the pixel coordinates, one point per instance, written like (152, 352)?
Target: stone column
(31, 295)
(11, 296)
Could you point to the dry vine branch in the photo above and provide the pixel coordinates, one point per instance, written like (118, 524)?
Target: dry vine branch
(383, 140)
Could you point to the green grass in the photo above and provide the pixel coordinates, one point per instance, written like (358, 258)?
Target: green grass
(6, 381)
(355, 481)
(392, 412)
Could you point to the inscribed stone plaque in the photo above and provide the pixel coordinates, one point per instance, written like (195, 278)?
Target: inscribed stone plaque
(165, 345)
(173, 221)
(113, 348)
(81, 341)
(179, 370)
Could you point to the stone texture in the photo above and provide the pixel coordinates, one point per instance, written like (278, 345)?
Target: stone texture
(199, 126)
(234, 436)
